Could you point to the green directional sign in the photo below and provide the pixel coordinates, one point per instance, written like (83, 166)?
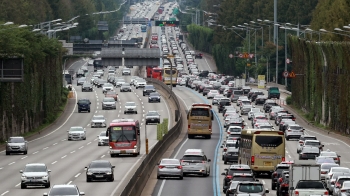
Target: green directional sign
(175, 11)
(161, 23)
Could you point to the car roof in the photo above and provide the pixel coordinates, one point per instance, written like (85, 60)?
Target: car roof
(64, 185)
(100, 161)
(98, 116)
(29, 164)
(239, 166)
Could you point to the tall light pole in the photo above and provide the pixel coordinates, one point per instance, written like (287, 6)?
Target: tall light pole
(275, 31)
(285, 52)
(276, 53)
(259, 20)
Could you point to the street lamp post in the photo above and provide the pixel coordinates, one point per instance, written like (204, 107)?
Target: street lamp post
(259, 20)
(276, 55)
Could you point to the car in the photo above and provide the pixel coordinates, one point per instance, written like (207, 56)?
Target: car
(294, 131)
(108, 103)
(246, 109)
(334, 170)
(140, 83)
(344, 189)
(315, 143)
(246, 187)
(216, 99)
(198, 56)
(283, 184)
(331, 181)
(320, 160)
(125, 87)
(126, 71)
(112, 94)
(332, 155)
(229, 143)
(107, 87)
(16, 145)
(80, 73)
(325, 167)
(276, 174)
(231, 155)
(306, 137)
(309, 152)
(252, 111)
(152, 117)
(64, 189)
(194, 161)
(98, 121)
(223, 103)
(154, 97)
(99, 83)
(81, 81)
(233, 185)
(130, 107)
(86, 87)
(133, 78)
(148, 89)
(235, 169)
(35, 174)
(268, 104)
(212, 93)
(100, 170)
(103, 139)
(76, 133)
(83, 105)
(260, 99)
(170, 168)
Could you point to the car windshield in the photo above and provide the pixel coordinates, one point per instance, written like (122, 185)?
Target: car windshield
(243, 178)
(35, 168)
(126, 84)
(152, 114)
(251, 188)
(126, 69)
(108, 85)
(130, 104)
(83, 102)
(328, 154)
(98, 118)
(344, 170)
(235, 129)
(328, 166)
(311, 150)
(87, 84)
(309, 143)
(111, 93)
(107, 99)
(153, 94)
(103, 133)
(16, 140)
(149, 87)
(59, 191)
(76, 129)
(170, 161)
(100, 164)
(193, 157)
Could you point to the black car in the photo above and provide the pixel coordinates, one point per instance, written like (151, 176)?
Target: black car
(260, 99)
(231, 156)
(84, 105)
(268, 104)
(283, 185)
(222, 103)
(100, 83)
(255, 95)
(152, 117)
(100, 170)
(154, 97)
(86, 87)
(148, 89)
(198, 56)
(277, 174)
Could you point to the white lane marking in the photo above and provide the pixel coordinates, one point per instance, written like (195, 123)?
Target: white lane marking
(54, 162)
(18, 184)
(287, 152)
(208, 64)
(81, 147)
(95, 139)
(126, 175)
(24, 157)
(4, 193)
(1, 168)
(289, 156)
(263, 181)
(77, 175)
(88, 143)
(103, 156)
(72, 152)
(69, 182)
(63, 140)
(63, 157)
(45, 148)
(143, 106)
(54, 144)
(35, 152)
(12, 163)
(143, 110)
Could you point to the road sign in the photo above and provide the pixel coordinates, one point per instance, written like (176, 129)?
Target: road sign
(285, 74)
(292, 74)
(251, 56)
(240, 55)
(245, 55)
(287, 61)
(231, 56)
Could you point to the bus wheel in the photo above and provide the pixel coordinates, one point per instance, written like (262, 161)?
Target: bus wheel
(189, 136)
(174, 85)
(208, 137)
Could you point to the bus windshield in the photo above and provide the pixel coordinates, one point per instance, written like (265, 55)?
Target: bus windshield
(199, 112)
(122, 134)
(157, 71)
(268, 141)
(170, 72)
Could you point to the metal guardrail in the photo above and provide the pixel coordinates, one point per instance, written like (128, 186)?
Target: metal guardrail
(138, 181)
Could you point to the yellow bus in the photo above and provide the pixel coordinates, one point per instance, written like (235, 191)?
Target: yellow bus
(167, 74)
(200, 117)
(262, 150)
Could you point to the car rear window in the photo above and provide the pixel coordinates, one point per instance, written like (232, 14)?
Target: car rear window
(243, 178)
(193, 158)
(240, 171)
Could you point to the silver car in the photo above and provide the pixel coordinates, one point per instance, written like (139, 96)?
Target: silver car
(16, 145)
(331, 154)
(170, 168)
(102, 139)
(216, 99)
(125, 87)
(98, 121)
(251, 188)
(194, 161)
(35, 174)
(76, 133)
(130, 107)
(152, 117)
(107, 87)
(325, 167)
(126, 71)
(119, 82)
(108, 103)
(64, 189)
(344, 189)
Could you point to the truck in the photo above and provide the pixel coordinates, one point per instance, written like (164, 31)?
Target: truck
(239, 83)
(305, 180)
(273, 92)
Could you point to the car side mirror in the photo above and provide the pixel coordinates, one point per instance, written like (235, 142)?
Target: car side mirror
(82, 193)
(209, 160)
(221, 146)
(49, 170)
(223, 173)
(45, 194)
(322, 145)
(267, 191)
(113, 166)
(20, 171)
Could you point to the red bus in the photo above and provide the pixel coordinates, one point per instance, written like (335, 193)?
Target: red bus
(157, 73)
(124, 137)
(149, 71)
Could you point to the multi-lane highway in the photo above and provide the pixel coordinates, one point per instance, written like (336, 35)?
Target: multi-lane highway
(67, 159)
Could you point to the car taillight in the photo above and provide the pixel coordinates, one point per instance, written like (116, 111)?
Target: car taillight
(343, 191)
(274, 174)
(179, 167)
(283, 159)
(225, 149)
(336, 159)
(323, 172)
(300, 141)
(289, 130)
(296, 193)
(325, 193)
(228, 132)
(209, 127)
(252, 160)
(228, 176)
(160, 166)
(189, 126)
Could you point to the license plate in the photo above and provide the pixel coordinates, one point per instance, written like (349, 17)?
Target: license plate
(185, 163)
(99, 176)
(267, 164)
(33, 180)
(152, 119)
(122, 152)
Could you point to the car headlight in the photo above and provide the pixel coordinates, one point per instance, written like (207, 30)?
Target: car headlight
(101, 140)
(108, 173)
(46, 176)
(88, 173)
(23, 176)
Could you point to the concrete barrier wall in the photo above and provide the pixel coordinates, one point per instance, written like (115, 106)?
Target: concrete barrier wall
(140, 177)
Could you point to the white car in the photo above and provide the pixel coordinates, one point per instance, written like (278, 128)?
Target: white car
(140, 83)
(216, 99)
(126, 71)
(212, 93)
(100, 72)
(182, 81)
(107, 87)
(293, 131)
(98, 121)
(130, 107)
(102, 139)
(133, 78)
(119, 82)
(240, 99)
(252, 111)
(76, 133)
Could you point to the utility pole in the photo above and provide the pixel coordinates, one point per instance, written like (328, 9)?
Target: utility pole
(275, 22)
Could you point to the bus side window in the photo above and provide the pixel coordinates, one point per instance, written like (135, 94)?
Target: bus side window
(138, 130)
(108, 130)
(212, 114)
(188, 114)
